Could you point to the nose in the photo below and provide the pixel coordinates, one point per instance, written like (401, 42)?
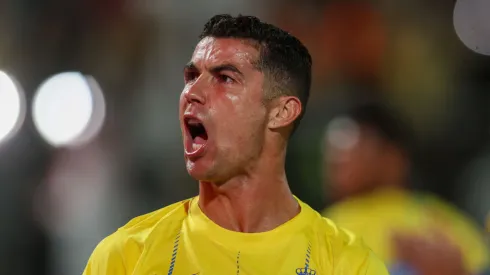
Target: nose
(195, 93)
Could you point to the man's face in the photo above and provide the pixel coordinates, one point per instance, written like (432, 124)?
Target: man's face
(222, 114)
(354, 166)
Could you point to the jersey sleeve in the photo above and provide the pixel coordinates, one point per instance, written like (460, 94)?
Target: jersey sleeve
(356, 264)
(356, 259)
(107, 257)
(375, 266)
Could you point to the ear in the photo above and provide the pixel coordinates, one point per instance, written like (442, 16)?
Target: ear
(285, 110)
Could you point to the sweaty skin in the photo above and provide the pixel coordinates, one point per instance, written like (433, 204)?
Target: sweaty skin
(239, 106)
(240, 168)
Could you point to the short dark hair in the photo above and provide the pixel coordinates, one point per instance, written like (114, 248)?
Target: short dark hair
(283, 58)
(385, 122)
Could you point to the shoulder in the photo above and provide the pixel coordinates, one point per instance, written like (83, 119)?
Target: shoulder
(462, 230)
(348, 253)
(119, 251)
(333, 236)
(445, 213)
(340, 238)
(166, 216)
(341, 251)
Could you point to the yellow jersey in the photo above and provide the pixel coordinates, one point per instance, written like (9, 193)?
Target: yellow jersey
(376, 216)
(180, 240)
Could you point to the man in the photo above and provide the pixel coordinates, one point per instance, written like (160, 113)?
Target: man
(367, 162)
(245, 91)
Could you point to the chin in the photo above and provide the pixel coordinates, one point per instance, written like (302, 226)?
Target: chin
(198, 170)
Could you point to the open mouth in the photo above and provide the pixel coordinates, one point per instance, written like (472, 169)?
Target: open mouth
(197, 134)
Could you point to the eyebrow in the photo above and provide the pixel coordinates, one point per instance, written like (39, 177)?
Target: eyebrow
(190, 66)
(226, 67)
(215, 69)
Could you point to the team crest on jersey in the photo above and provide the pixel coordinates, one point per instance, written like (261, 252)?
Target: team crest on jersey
(305, 271)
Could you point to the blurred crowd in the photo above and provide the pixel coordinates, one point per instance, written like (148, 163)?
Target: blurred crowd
(395, 139)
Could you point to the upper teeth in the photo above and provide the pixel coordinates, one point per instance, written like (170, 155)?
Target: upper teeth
(193, 122)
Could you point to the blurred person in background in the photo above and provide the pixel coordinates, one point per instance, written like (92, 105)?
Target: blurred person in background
(246, 89)
(367, 161)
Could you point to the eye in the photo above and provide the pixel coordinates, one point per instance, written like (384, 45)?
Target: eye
(225, 79)
(190, 75)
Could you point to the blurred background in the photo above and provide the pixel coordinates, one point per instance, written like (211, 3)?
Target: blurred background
(89, 90)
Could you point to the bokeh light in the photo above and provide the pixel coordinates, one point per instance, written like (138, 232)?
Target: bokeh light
(342, 133)
(12, 107)
(63, 109)
(472, 24)
(98, 114)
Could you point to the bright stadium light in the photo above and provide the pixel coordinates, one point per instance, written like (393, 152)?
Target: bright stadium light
(12, 107)
(63, 109)
(98, 114)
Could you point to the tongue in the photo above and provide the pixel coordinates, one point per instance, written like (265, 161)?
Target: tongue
(198, 142)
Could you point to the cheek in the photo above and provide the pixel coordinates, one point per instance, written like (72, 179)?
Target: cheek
(237, 113)
(239, 108)
(239, 125)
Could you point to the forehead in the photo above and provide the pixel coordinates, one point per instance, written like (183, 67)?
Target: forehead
(214, 51)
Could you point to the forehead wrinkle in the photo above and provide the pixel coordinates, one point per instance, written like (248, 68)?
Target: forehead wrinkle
(213, 52)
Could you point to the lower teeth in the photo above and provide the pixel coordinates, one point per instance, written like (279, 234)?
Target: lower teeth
(196, 146)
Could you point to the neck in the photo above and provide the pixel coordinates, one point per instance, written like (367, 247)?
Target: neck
(256, 202)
